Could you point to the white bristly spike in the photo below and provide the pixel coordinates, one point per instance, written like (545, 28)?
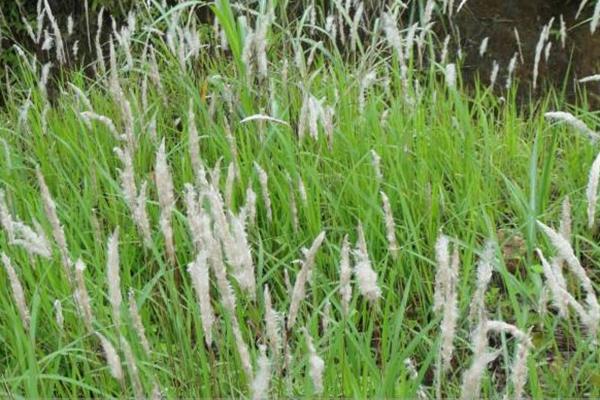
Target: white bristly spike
(573, 122)
(592, 191)
(17, 291)
(263, 179)
(198, 270)
(390, 226)
(483, 46)
(113, 276)
(485, 268)
(262, 378)
(272, 324)
(112, 357)
(591, 78)
(450, 74)
(366, 277)
(58, 313)
(451, 312)
(57, 230)
(136, 319)
(316, 365)
(345, 276)
(166, 199)
(81, 296)
(376, 163)
(595, 18)
(442, 258)
(134, 374)
(299, 291)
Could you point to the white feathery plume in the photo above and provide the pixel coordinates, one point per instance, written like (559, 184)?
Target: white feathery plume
(302, 192)
(591, 78)
(450, 312)
(41, 13)
(483, 46)
(272, 324)
(89, 116)
(450, 75)
(519, 369)
(70, 25)
(57, 230)
(6, 220)
(547, 50)
(563, 32)
(263, 179)
(565, 251)
(512, 65)
(43, 83)
(286, 280)
(198, 270)
(345, 276)
(595, 18)
(166, 199)
(561, 297)
(444, 52)
(574, 123)
(60, 48)
(299, 291)
(232, 234)
(442, 258)
(241, 254)
(494, 73)
(390, 226)
(81, 296)
(354, 37)
(260, 385)
(29, 29)
(227, 294)
(315, 363)
(81, 96)
(414, 375)
(592, 191)
(34, 242)
(134, 374)
(485, 268)
(519, 366)
(112, 358)
(395, 41)
(58, 313)
(194, 145)
(326, 318)
(136, 202)
(17, 291)
(582, 5)
(101, 68)
(471, 382)
(365, 83)
(293, 204)
(249, 208)
(136, 320)
(376, 163)
(366, 277)
(113, 276)
(538, 50)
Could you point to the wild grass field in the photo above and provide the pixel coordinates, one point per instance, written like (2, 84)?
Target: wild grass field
(269, 207)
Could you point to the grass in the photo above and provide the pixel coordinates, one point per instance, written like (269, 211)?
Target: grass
(463, 162)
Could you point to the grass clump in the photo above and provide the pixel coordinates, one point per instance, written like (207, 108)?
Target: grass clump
(287, 222)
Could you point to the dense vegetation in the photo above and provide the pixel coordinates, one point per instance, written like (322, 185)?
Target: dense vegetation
(276, 206)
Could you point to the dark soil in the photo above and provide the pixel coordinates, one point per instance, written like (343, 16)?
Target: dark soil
(497, 20)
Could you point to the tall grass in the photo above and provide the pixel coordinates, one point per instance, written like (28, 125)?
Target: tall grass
(262, 262)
